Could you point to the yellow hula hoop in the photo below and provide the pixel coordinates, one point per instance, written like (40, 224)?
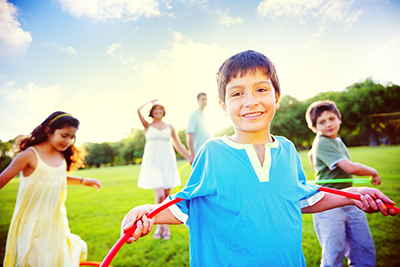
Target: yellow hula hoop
(180, 170)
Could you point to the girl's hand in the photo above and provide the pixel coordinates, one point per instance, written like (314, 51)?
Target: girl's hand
(96, 184)
(372, 200)
(143, 224)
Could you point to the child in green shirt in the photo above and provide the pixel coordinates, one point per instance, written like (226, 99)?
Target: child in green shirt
(341, 231)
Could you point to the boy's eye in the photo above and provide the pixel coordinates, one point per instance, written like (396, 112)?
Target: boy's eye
(261, 90)
(236, 94)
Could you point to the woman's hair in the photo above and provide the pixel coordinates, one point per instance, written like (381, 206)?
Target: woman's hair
(152, 109)
(57, 120)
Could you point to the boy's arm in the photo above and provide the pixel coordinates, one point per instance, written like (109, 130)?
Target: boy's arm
(359, 169)
(144, 225)
(310, 158)
(372, 200)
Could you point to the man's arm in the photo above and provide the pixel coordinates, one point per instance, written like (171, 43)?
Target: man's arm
(360, 170)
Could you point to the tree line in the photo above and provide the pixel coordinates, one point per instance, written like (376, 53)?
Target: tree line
(370, 116)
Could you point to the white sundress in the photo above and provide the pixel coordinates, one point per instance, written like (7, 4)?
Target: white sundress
(159, 169)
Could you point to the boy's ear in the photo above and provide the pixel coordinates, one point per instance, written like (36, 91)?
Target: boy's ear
(222, 104)
(277, 98)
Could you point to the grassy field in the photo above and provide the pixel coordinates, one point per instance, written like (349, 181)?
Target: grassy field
(96, 216)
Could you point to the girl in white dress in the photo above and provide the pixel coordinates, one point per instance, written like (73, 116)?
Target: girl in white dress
(159, 170)
(39, 234)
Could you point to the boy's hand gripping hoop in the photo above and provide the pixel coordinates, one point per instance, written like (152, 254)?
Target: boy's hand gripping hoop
(111, 254)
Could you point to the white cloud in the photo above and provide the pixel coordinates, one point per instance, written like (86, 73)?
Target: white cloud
(325, 11)
(126, 59)
(69, 50)
(228, 20)
(384, 62)
(102, 10)
(13, 40)
(33, 101)
(112, 48)
(178, 74)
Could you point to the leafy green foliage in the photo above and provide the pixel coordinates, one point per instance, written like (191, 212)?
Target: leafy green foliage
(5, 158)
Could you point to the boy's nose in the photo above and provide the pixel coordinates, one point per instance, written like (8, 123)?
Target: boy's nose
(251, 100)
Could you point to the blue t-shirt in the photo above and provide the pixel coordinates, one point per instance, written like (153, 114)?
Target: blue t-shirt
(198, 127)
(240, 213)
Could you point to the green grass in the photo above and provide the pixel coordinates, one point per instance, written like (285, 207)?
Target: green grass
(96, 216)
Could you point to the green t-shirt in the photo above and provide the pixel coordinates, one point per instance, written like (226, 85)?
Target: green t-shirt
(327, 152)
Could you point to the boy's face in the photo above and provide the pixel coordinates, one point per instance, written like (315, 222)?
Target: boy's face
(328, 124)
(250, 103)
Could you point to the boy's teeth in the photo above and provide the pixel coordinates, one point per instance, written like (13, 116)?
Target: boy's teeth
(252, 114)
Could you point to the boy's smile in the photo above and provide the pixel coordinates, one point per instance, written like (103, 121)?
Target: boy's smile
(250, 103)
(328, 124)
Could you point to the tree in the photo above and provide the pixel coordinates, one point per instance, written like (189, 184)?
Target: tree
(99, 154)
(5, 159)
(133, 145)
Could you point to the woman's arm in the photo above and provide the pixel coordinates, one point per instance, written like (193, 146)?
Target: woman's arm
(176, 142)
(92, 182)
(142, 119)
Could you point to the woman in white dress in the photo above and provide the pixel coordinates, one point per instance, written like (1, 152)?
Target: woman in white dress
(159, 170)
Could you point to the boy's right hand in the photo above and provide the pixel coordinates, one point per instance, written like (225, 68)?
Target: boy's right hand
(143, 224)
(376, 179)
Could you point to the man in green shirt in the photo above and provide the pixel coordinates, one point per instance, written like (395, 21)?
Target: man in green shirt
(197, 132)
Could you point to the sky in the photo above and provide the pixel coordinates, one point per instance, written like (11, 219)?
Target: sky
(101, 59)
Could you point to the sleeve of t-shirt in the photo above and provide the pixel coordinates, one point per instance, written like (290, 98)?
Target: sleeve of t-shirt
(191, 127)
(309, 191)
(329, 154)
(201, 183)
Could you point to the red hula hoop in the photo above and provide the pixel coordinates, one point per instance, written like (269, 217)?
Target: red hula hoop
(111, 254)
(351, 195)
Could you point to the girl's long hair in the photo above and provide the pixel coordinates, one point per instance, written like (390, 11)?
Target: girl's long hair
(72, 155)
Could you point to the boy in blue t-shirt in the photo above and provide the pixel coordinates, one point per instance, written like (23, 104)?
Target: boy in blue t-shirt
(245, 195)
(342, 231)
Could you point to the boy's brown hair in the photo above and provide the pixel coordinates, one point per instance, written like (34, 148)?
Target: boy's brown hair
(316, 109)
(242, 63)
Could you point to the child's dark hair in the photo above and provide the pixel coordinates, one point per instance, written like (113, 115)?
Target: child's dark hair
(242, 63)
(57, 120)
(316, 109)
(153, 107)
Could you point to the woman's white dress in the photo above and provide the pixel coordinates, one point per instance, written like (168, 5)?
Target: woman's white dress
(159, 169)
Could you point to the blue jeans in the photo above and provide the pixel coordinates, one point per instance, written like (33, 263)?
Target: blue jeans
(343, 232)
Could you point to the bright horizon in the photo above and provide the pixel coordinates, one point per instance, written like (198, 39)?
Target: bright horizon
(101, 60)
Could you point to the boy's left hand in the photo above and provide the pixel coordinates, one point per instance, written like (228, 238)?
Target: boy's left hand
(372, 200)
